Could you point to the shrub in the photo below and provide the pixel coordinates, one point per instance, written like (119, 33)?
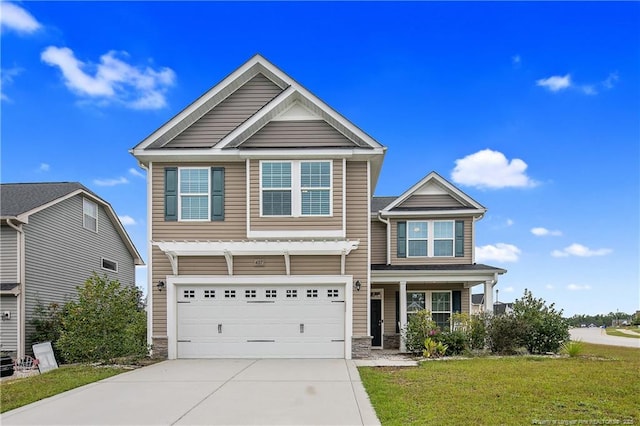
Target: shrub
(455, 341)
(106, 322)
(47, 323)
(419, 327)
(505, 333)
(433, 348)
(473, 329)
(573, 348)
(546, 329)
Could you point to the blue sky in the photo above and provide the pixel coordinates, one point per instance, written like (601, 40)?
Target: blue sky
(533, 109)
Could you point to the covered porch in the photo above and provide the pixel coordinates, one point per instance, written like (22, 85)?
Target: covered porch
(399, 290)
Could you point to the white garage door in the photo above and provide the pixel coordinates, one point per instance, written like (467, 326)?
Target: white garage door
(296, 321)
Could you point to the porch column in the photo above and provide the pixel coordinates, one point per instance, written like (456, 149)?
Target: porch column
(403, 313)
(488, 296)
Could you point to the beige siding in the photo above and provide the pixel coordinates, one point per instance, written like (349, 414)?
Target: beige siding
(378, 242)
(8, 255)
(161, 269)
(357, 229)
(430, 201)
(315, 265)
(271, 265)
(228, 114)
(296, 223)
(395, 260)
(297, 134)
(233, 227)
(202, 265)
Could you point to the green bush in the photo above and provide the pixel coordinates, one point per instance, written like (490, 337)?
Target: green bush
(546, 329)
(472, 327)
(456, 341)
(505, 334)
(47, 323)
(106, 322)
(433, 348)
(573, 348)
(419, 327)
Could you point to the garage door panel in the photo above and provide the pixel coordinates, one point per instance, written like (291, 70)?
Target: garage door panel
(261, 322)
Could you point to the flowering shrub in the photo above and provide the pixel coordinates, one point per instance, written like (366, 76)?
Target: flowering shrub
(419, 327)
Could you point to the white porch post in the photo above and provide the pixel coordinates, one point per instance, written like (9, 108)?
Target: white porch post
(488, 296)
(403, 313)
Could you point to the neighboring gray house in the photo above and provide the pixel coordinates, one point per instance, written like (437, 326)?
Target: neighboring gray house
(53, 237)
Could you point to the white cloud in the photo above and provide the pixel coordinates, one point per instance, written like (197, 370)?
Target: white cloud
(555, 83)
(609, 82)
(577, 287)
(516, 60)
(127, 220)
(13, 17)
(510, 222)
(509, 289)
(549, 287)
(589, 89)
(542, 232)
(6, 78)
(112, 79)
(500, 252)
(491, 169)
(579, 250)
(111, 182)
(44, 167)
(136, 173)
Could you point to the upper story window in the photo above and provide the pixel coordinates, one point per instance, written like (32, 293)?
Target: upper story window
(194, 194)
(89, 215)
(430, 238)
(296, 188)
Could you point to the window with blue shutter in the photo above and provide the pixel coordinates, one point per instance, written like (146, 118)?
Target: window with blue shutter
(171, 193)
(217, 193)
(459, 238)
(402, 239)
(456, 298)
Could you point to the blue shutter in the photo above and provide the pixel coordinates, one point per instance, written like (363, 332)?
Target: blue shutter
(459, 238)
(217, 193)
(456, 297)
(402, 239)
(171, 194)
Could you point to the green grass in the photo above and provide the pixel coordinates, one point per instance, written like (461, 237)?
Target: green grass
(615, 332)
(15, 393)
(602, 385)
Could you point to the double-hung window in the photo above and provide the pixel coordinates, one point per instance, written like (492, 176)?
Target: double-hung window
(441, 308)
(417, 239)
(415, 302)
(194, 194)
(89, 215)
(429, 238)
(295, 188)
(443, 238)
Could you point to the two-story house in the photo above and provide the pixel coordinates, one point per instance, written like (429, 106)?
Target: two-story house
(53, 237)
(262, 237)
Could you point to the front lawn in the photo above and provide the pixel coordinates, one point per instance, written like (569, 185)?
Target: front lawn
(602, 385)
(618, 333)
(15, 393)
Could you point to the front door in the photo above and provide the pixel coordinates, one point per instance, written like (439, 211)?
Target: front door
(376, 322)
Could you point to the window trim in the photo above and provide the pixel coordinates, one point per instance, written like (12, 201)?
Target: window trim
(208, 194)
(84, 213)
(431, 238)
(452, 239)
(102, 260)
(450, 311)
(296, 188)
(427, 239)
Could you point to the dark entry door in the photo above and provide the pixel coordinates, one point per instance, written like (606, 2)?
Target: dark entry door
(376, 322)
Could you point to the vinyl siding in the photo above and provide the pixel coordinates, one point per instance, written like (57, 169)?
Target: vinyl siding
(430, 201)
(8, 255)
(161, 269)
(316, 265)
(202, 265)
(9, 328)
(297, 134)
(357, 229)
(61, 254)
(378, 242)
(228, 114)
(233, 227)
(296, 223)
(468, 246)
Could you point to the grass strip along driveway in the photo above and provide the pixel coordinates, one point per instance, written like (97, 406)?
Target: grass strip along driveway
(18, 392)
(600, 386)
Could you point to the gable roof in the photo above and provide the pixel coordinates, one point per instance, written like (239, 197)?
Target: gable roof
(431, 184)
(20, 200)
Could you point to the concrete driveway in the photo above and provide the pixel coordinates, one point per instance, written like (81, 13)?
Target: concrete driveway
(213, 392)
(600, 337)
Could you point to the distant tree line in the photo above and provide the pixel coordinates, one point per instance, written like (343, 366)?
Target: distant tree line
(603, 319)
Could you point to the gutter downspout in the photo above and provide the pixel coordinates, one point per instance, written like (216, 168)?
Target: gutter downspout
(149, 170)
(388, 223)
(21, 305)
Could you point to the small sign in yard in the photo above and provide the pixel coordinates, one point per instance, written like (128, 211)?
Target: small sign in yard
(44, 354)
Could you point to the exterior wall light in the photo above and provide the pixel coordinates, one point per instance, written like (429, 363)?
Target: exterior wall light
(358, 285)
(160, 285)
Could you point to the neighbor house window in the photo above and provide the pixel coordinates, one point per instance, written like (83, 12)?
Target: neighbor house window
(109, 265)
(194, 194)
(89, 215)
(295, 188)
(441, 308)
(417, 239)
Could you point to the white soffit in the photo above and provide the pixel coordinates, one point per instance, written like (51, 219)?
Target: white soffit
(256, 248)
(297, 112)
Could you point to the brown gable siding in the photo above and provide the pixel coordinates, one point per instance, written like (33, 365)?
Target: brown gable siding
(357, 229)
(296, 223)
(233, 227)
(430, 201)
(296, 134)
(315, 265)
(378, 242)
(228, 114)
(468, 246)
(202, 265)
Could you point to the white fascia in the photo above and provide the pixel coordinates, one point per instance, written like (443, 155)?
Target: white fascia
(256, 248)
(425, 213)
(473, 277)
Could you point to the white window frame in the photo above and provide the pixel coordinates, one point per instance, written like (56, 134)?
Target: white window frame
(431, 238)
(296, 188)
(85, 202)
(408, 299)
(450, 311)
(102, 259)
(201, 194)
